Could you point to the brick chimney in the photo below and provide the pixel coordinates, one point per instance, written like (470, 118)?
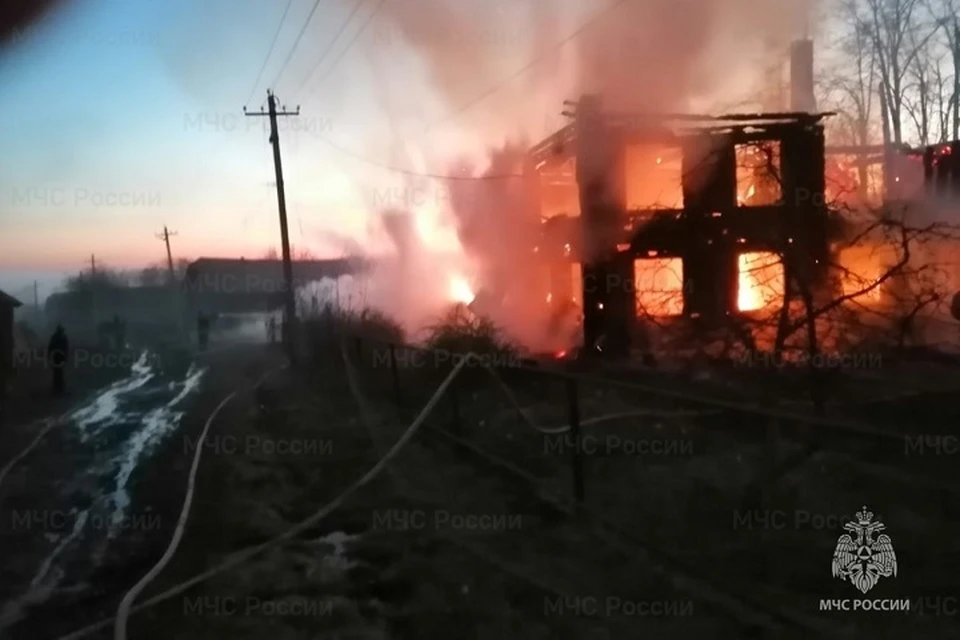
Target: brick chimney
(801, 76)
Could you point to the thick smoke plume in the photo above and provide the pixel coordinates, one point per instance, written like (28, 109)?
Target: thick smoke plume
(641, 55)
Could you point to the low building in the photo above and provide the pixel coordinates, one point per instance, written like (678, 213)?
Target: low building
(7, 305)
(145, 310)
(222, 285)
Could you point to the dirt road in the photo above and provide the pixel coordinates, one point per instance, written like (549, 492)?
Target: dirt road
(92, 507)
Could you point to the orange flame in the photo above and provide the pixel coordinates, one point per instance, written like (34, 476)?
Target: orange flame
(460, 290)
(761, 280)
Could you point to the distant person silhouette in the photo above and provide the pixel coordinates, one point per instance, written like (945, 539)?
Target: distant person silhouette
(58, 350)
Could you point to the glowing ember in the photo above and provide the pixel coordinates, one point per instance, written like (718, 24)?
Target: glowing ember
(760, 280)
(460, 290)
(560, 354)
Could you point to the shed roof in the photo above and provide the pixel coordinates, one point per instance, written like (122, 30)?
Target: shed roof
(271, 271)
(7, 300)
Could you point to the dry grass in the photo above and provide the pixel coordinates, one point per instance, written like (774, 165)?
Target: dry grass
(433, 559)
(366, 323)
(460, 331)
(430, 581)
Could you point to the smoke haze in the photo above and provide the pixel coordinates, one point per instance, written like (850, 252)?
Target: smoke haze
(641, 55)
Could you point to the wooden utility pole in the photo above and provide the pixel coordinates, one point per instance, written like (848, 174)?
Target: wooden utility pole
(178, 312)
(291, 307)
(93, 292)
(165, 236)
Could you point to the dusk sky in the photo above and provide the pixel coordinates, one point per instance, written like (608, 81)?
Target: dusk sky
(122, 116)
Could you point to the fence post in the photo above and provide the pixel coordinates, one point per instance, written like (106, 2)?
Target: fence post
(455, 405)
(395, 374)
(576, 462)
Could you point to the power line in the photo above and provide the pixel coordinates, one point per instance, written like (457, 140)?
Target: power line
(329, 48)
(296, 43)
(416, 174)
(492, 90)
(559, 45)
(348, 47)
(273, 45)
(505, 176)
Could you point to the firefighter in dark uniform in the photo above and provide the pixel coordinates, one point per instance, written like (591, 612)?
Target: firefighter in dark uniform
(58, 350)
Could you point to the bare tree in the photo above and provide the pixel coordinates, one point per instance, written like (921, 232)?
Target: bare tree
(101, 279)
(899, 31)
(856, 86)
(297, 254)
(152, 276)
(849, 89)
(301, 254)
(158, 274)
(943, 98)
(924, 100)
(944, 13)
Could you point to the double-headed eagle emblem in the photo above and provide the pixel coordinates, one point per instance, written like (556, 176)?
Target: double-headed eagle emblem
(864, 559)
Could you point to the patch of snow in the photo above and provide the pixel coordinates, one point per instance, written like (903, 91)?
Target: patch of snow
(102, 411)
(338, 558)
(154, 426)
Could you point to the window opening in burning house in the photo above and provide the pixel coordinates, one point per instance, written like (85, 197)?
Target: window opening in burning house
(758, 174)
(559, 193)
(659, 286)
(654, 177)
(761, 280)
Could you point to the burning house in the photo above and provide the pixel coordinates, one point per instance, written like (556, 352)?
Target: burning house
(705, 221)
(645, 218)
(678, 215)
